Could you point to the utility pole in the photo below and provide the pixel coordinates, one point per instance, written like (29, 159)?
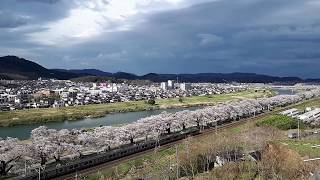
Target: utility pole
(298, 129)
(39, 172)
(25, 167)
(177, 159)
(216, 127)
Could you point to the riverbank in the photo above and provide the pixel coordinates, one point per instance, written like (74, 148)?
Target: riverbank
(36, 116)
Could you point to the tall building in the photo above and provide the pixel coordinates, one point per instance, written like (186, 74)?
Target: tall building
(94, 85)
(164, 86)
(185, 86)
(170, 84)
(114, 87)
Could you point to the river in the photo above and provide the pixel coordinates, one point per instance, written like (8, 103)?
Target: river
(282, 91)
(23, 131)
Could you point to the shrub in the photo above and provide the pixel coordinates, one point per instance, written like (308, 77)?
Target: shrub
(151, 101)
(281, 163)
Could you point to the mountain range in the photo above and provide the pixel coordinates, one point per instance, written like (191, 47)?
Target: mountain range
(15, 68)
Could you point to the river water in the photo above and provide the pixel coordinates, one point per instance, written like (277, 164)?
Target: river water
(23, 131)
(282, 91)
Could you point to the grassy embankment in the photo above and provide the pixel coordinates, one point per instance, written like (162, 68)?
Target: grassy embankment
(304, 147)
(270, 130)
(32, 116)
(281, 122)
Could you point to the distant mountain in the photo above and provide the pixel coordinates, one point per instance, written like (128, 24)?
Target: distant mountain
(312, 80)
(96, 79)
(124, 75)
(220, 77)
(96, 72)
(12, 67)
(92, 72)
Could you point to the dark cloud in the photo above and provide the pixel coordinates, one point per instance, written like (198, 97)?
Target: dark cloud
(38, 11)
(270, 37)
(9, 20)
(40, 1)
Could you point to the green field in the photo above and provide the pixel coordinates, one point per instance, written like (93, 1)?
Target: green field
(311, 103)
(280, 121)
(285, 122)
(304, 147)
(32, 116)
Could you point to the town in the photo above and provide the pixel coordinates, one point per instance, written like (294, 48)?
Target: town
(159, 89)
(16, 95)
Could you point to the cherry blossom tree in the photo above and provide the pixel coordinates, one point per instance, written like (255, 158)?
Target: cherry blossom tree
(129, 132)
(105, 137)
(41, 148)
(53, 144)
(181, 119)
(10, 152)
(49, 143)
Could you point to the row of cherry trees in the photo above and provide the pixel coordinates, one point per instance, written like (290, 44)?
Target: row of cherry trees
(50, 144)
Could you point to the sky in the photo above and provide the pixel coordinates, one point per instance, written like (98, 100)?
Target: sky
(274, 37)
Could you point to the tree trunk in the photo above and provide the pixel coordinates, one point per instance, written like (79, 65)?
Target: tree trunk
(43, 160)
(3, 166)
(169, 131)
(57, 158)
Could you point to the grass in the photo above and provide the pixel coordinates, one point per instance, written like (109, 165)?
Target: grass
(280, 121)
(35, 116)
(6, 177)
(239, 171)
(160, 158)
(236, 130)
(303, 147)
(312, 103)
(213, 99)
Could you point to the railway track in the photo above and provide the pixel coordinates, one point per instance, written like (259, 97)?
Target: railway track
(220, 128)
(100, 167)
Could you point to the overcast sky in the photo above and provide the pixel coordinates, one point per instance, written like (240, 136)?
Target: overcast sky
(276, 37)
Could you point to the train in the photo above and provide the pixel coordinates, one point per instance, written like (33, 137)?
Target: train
(94, 159)
(55, 170)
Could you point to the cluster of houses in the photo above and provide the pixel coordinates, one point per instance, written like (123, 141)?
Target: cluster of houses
(56, 93)
(291, 112)
(310, 116)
